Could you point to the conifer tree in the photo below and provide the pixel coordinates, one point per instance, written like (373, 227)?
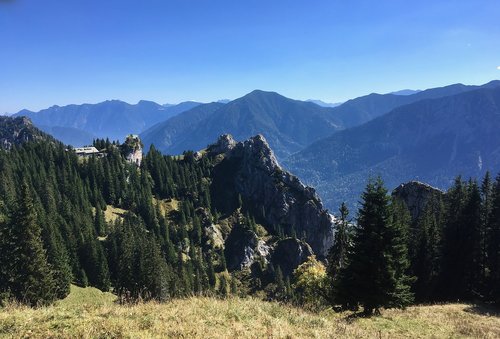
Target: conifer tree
(337, 255)
(375, 276)
(493, 245)
(99, 222)
(31, 279)
(426, 263)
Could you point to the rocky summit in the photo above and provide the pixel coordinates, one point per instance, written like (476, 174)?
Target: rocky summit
(15, 131)
(249, 172)
(416, 195)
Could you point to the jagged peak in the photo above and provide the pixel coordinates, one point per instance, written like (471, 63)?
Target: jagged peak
(416, 195)
(416, 184)
(257, 151)
(224, 144)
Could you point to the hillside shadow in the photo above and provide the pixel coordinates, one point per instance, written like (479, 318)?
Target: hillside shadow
(360, 315)
(483, 309)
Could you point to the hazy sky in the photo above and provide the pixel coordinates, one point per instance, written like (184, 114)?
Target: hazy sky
(68, 51)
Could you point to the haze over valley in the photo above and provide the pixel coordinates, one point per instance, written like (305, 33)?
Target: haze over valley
(258, 169)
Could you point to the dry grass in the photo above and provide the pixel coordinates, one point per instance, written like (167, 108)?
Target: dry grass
(112, 213)
(167, 205)
(88, 313)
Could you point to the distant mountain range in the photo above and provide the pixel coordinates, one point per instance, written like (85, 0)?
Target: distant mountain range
(288, 125)
(114, 119)
(431, 140)
(363, 109)
(404, 135)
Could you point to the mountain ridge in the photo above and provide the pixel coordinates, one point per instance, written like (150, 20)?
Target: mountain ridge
(287, 124)
(113, 119)
(431, 140)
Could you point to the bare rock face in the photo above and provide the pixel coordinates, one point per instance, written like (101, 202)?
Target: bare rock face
(250, 170)
(416, 195)
(224, 144)
(289, 253)
(241, 248)
(132, 149)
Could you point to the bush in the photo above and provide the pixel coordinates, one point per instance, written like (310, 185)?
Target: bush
(310, 284)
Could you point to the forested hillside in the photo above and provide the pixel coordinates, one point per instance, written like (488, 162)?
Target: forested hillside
(159, 231)
(229, 220)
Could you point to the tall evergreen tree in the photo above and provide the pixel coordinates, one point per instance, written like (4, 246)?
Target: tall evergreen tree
(337, 255)
(425, 264)
(31, 280)
(375, 276)
(493, 245)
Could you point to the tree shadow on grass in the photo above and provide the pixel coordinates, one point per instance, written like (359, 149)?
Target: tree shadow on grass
(483, 309)
(360, 315)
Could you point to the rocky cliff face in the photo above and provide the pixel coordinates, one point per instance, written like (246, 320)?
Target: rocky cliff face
(416, 195)
(248, 171)
(132, 149)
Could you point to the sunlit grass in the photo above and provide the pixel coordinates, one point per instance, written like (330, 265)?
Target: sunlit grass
(89, 313)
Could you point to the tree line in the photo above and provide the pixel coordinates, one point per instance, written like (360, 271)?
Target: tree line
(450, 253)
(55, 230)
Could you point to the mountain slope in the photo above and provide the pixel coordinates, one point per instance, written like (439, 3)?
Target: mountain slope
(111, 119)
(363, 109)
(432, 141)
(69, 135)
(249, 171)
(179, 129)
(15, 131)
(288, 125)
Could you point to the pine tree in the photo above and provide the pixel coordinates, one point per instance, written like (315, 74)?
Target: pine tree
(493, 245)
(99, 222)
(461, 272)
(280, 283)
(375, 276)
(426, 263)
(337, 255)
(31, 279)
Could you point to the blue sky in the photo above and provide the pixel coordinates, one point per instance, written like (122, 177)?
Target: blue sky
(61, 52)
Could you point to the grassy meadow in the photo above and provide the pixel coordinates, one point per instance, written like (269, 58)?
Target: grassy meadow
(89, 313)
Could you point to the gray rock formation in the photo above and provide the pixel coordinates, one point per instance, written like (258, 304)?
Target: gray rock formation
(243, 248)
(416, 195)
(132, 148)
(289, 253)
(250, 169)
(224, 144)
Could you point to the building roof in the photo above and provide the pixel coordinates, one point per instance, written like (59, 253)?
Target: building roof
(86, 150)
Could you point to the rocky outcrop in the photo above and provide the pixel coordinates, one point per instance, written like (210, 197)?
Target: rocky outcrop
(243, 248)
(224, 144)
(416, 195)
(15, 131)
(250, 170)
(289, 253)
(132, 149)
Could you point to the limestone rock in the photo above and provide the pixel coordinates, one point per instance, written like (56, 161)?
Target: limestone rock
(132, 149)
(249, 169)
(240, 248)
(289, 253)
(416, 195)
(224, 144)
